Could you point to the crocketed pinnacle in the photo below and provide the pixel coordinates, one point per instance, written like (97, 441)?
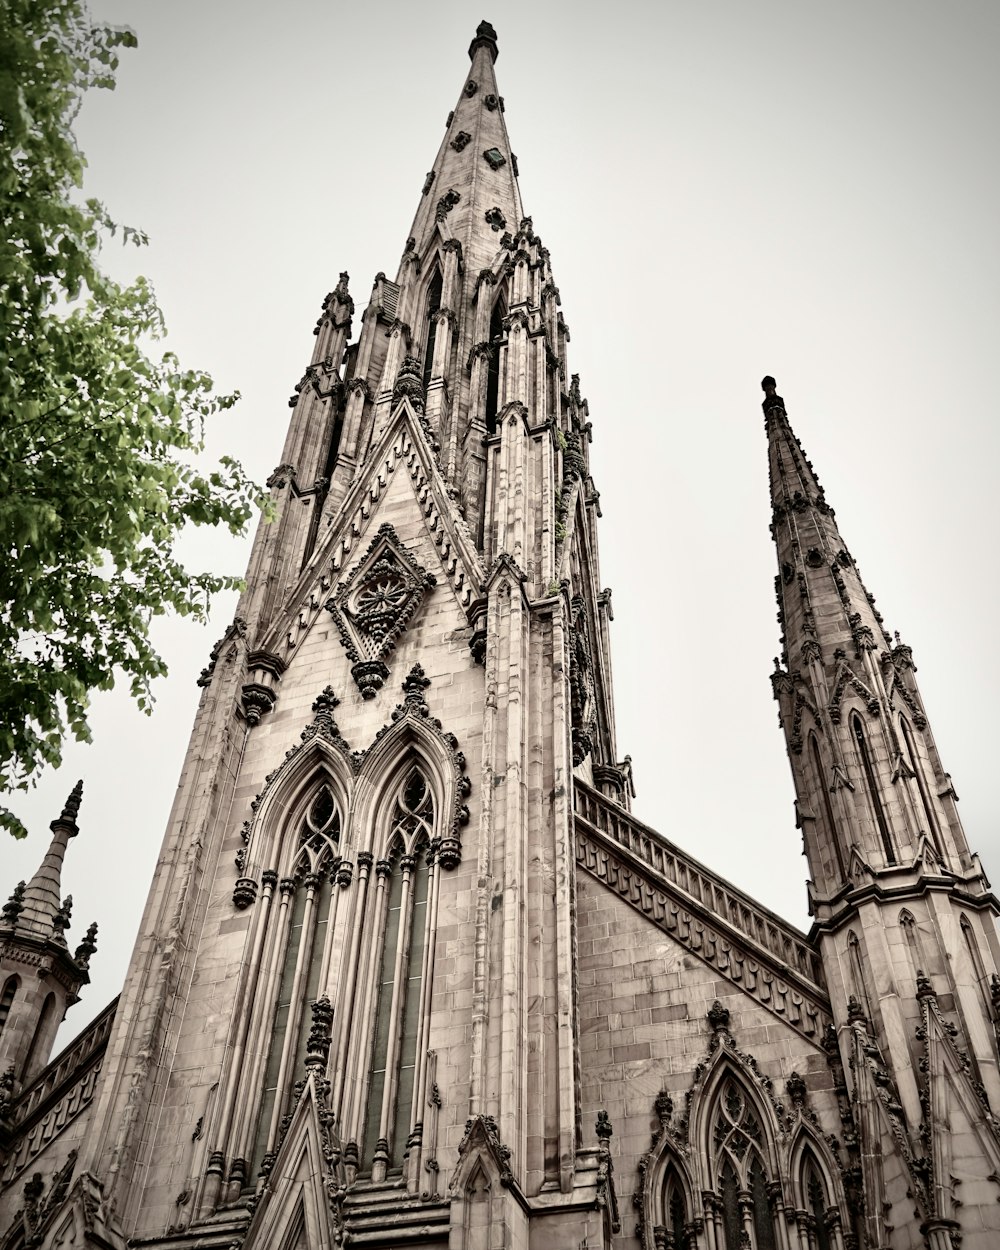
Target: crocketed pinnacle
(42, 900)
(471, 193)
(824, 607)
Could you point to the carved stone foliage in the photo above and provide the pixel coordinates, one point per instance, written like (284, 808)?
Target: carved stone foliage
(496, 220)
(374, 605)
(461, 140)
(428, 183)
(446, 203)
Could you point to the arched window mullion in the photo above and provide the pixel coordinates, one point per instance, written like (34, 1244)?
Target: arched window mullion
(420, 1075)
(259, 1039)
(296, 1006)
(356, 1096)
(385, 1147)
(356, 919)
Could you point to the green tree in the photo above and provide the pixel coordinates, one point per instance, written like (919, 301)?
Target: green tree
(98, 437)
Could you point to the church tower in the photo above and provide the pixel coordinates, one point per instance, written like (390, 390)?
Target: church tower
(904, 914)
(411, 973)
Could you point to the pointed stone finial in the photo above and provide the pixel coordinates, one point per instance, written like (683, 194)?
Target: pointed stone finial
(87, 947)
(72, 808)
(772, 398)
(486, 37)
(61, 920)
(15, 905)
(718, 1017)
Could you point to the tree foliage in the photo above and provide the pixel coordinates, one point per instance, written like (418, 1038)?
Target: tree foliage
(97, 436)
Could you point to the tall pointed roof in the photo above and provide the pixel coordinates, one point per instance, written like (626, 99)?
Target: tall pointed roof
(824, 603)
(42, 900)
(471, 192)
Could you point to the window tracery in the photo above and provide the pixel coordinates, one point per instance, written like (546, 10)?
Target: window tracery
(738, 1148)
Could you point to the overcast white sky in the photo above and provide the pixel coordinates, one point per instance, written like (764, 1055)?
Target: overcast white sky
(727, 190)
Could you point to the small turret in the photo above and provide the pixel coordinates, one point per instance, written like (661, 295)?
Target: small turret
(39, 979)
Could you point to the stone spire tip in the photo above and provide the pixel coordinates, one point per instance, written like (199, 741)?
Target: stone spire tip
(72, 807)
(771, 398)
(486, 37)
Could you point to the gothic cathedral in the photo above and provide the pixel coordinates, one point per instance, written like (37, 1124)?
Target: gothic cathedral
(410, 972)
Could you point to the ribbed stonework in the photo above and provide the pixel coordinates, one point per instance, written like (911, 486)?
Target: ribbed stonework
(411, 973)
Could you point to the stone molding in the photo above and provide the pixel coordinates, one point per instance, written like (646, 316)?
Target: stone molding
(758, 952)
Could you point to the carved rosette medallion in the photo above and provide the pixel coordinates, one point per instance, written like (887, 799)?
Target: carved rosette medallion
(374, 605)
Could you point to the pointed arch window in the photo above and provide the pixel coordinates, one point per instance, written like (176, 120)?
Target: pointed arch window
(738, 1144)
(671, 1235)
(493, 372)
(434, 293)
(303, 922)
(816, 1200)
(916, 765)
(873, 790)
(7, 999)
(404, 881)
(38, 1051)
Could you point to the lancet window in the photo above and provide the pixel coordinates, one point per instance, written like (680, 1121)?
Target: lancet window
(738, 1147)
(434, 292)
(816, 1204)
(873, 790)
(401, 911)
(493, 373)
(918, 771)
(7, 999)
(670, 1236)
(301, 955)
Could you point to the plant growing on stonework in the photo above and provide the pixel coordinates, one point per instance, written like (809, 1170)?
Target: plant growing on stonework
(97, 437)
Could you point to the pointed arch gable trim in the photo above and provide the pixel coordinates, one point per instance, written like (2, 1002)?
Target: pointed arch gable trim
(728, 1061)
(414, 731)
(286, 791)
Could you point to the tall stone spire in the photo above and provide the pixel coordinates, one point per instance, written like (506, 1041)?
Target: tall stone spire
(849, 701)
(876, 808)
(471, 192)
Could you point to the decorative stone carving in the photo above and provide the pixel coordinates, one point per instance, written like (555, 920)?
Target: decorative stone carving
(491, 102)
(87, 947)
(13, 907)
(409, 384)
(471, 87)
(496, 220)
(375, 604)
(446, 203)
(494, 158)
(461, 140)
(238, 629)
(428, 183)
(244, 893)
